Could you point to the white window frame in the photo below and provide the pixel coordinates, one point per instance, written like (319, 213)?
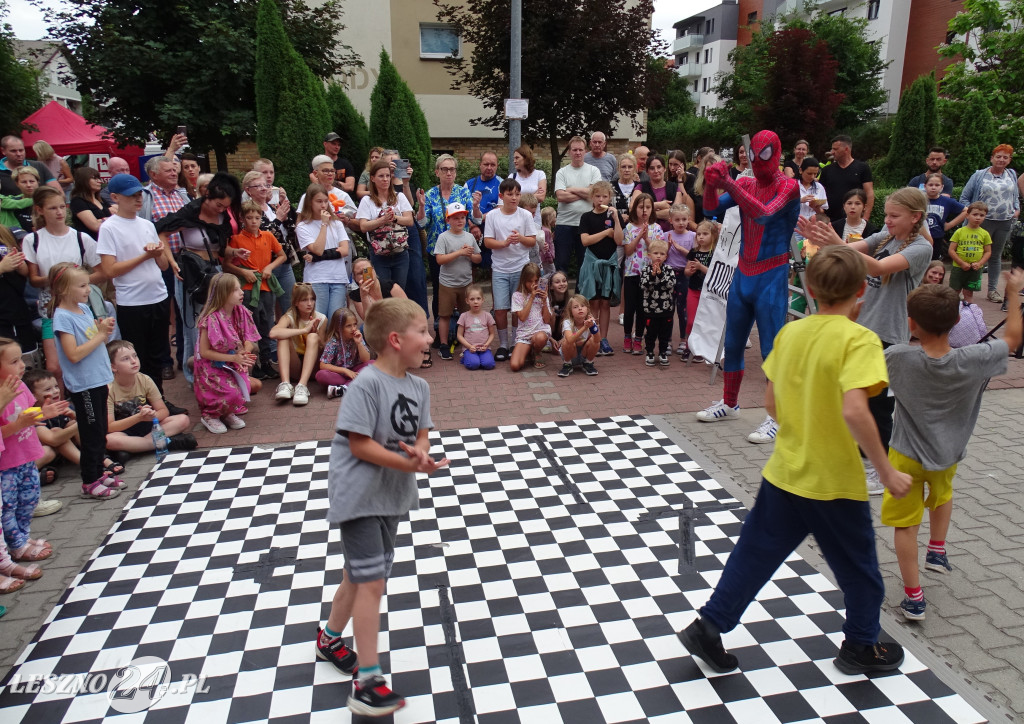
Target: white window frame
(438, 56)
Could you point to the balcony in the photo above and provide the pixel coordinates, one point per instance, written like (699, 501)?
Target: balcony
(681, 45)
(689, 70)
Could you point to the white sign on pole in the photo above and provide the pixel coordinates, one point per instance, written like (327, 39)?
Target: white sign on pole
(517, 109)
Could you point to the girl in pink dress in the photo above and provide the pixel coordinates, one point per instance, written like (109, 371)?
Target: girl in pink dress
(227, 345)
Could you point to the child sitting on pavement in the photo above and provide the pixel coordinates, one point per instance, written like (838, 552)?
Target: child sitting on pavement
(133, 402)
(476, 332)
(928, 442)
(814, 482)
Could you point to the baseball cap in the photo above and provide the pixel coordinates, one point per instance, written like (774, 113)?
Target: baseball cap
(454, 209)
(124, 184)
(332, 136)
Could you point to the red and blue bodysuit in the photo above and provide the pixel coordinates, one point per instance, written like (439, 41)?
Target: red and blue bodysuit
(769, 205)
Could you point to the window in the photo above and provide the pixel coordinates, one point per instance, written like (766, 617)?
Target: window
(707, 55)
(752, 18)
(684, 59)
(709, 26)
(705, 85)
(439, 41)
(840, 11)
(695, 86)
(873, 6)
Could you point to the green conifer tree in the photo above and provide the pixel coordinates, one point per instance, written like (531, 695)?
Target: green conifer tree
(970, 147)
(291, 107)
(349, 123)
(397, 121)
(912, 135)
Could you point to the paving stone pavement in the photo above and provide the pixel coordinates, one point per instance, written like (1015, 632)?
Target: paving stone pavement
(975, 621)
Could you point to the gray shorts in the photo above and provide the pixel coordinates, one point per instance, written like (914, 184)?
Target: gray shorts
(368, 545)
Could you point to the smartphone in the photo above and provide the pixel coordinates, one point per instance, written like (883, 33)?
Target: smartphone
(182, 130)
(275, 196)
(542, 284)
(368, 274)
(402, 168)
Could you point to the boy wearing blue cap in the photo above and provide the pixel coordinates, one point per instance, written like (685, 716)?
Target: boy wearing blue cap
(132, 255)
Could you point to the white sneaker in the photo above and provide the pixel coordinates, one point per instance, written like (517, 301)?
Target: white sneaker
(718, 411)
(875, 486)
(284, 391)
(234, 422)
(335, 391)
(301, 396)
(214, 425)
(765, 432)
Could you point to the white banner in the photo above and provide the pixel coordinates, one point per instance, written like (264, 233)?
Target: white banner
(709, 323)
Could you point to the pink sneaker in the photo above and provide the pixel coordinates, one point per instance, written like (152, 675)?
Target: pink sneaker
(638, 346)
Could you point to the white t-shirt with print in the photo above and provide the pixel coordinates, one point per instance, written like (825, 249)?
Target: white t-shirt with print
(499, 225)
(126, 239)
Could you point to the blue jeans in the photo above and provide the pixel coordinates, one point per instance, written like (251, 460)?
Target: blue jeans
(777, 524)
(478, 360)
(330, 297)
(394, 267)
(502, 286)
(416, 280)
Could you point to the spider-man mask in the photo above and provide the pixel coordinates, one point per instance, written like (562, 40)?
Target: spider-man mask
(765, 152)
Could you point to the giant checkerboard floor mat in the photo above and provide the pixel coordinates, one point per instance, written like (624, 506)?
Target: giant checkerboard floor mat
(543, 579)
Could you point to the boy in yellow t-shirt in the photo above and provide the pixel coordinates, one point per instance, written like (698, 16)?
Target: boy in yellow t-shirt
(814, 482)
(969, 248)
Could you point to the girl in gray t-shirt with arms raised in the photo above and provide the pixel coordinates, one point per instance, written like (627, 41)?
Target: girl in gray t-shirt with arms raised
(897, 259)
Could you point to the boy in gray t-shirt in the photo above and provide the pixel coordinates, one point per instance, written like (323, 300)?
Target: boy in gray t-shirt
(938, 395)
(380, 444)
(456, 252)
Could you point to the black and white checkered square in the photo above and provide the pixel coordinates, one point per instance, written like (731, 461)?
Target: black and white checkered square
(542, 580)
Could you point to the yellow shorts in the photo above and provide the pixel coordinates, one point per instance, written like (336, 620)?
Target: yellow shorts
(907, 511)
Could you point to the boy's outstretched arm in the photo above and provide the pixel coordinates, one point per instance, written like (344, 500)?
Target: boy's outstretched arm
(1014, 323)
(865, 433)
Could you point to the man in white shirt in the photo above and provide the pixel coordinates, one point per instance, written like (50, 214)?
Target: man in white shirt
(572, 191)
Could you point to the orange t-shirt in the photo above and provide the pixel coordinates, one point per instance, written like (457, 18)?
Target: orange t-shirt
(262, 248)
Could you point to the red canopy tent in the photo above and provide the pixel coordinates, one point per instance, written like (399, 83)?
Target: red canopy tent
(70, 134)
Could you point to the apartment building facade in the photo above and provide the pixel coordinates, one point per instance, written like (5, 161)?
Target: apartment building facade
(701, 50)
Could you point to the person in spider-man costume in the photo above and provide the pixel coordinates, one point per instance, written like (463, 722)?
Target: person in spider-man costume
(769, 204)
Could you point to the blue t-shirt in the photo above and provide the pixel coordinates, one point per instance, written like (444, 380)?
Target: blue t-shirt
(488, 192)
(940, 211)
(92, 371)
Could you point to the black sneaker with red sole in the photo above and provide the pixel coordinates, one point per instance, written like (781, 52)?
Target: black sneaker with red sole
(341, 656)
(374, 698)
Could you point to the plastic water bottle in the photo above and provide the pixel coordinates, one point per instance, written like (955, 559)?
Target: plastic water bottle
(159, 441)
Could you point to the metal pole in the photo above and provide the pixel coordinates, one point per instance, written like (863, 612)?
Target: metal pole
(515, 73)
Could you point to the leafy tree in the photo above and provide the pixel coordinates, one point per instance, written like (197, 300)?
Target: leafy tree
(858, 72)
(799, 60)
(350, 125)
(397, 121)
(290, 104)
(151, 65)
(912, 135)
(989, 37)
(19, 91)
(584, 62)
(672, 120)
(972, 138)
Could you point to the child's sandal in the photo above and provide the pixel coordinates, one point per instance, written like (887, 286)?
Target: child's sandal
(26, 573)
(34, 550)
(114, 467)
(98, 490)
(9, 584)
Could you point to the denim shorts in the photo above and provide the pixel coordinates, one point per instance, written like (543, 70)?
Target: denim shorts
(502, 286)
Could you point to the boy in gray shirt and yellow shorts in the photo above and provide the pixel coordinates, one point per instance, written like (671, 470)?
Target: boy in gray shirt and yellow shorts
(938, 395)
(381, 442)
